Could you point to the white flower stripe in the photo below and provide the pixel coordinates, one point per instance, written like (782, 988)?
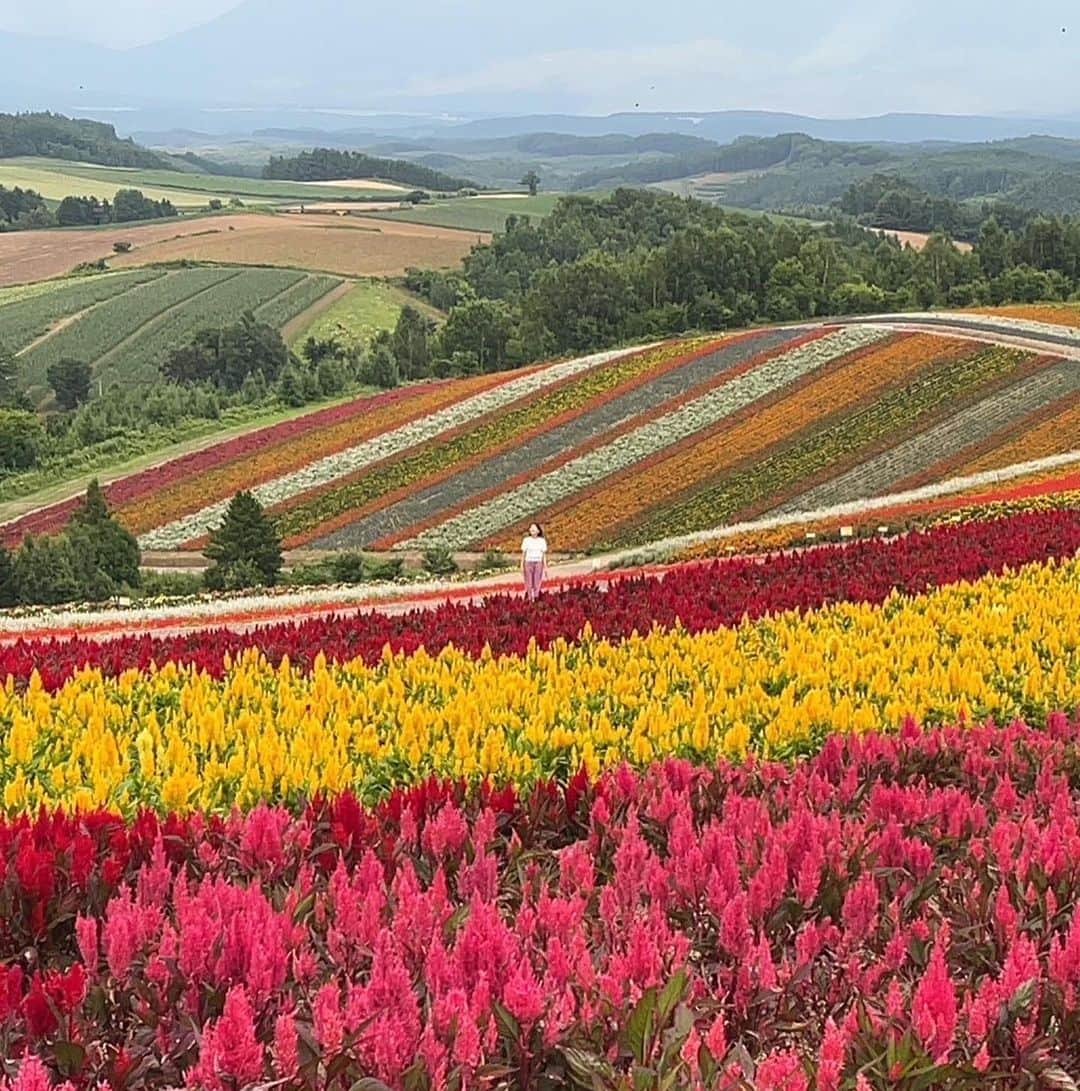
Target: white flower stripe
(631, 447)
(332, 467)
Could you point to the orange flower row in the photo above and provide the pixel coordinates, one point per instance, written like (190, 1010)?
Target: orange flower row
(1057, 314)
(735, 441)
(185, 495)
(1051, 436)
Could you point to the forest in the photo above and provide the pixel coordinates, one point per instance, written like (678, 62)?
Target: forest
(640, 264)
(330, 164)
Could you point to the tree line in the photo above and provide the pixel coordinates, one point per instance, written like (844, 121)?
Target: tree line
(640, 264)
(332, 164)
(54, 136)
(25, 209)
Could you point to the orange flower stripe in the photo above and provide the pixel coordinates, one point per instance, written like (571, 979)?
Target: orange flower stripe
(837, 389)
(657, 410)
(176, 500)
(1052, 436)
(1062, 314)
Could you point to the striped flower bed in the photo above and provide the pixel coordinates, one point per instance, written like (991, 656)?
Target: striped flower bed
(614, 503)
(128, 495)
(545, 451)
(890, 470)
(487, 519)
(425, 477)
(785, 475)
(175, 534)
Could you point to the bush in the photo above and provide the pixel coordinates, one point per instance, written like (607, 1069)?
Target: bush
(21, 437)
(122, 247)
(439, 561)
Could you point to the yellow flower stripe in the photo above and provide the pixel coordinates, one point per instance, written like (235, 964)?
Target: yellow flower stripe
(1003, 647)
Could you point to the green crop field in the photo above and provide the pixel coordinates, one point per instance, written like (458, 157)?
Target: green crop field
(132, 320)
(279, 312)
(244, 290)
(358, 315)
(114, 321)
(475, 213)
(55, 179)
(30, 311)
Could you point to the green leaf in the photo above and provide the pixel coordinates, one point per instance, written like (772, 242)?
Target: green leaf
(638, 1032)
(672, 993)
(587, 1068)
(508, 1025)
(69, 1057)
(1057, 1078)
(369, 1083)
(1020, 1002)
(303, 908)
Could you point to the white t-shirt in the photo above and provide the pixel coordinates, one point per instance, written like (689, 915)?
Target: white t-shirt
(533, 548)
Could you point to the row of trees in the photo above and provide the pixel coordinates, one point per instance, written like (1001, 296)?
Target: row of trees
(329, 164)
(94, 558)
(24, 209)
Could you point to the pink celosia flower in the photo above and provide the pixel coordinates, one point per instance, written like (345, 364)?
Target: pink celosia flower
(933, 1005)
(230, 1054)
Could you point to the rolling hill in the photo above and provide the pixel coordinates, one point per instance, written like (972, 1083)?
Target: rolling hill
(624, 448)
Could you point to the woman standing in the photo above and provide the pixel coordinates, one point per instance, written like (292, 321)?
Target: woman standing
(533, 560)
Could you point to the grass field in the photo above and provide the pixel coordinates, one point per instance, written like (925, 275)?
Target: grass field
(365, 309)
(56, 179)
(124, 324)
(487, 214)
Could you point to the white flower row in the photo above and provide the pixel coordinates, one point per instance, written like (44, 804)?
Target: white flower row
(333, 467)
(261, 608)
(631, 447)
(978, 321)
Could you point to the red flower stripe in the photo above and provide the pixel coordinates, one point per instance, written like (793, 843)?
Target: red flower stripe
(701, 596)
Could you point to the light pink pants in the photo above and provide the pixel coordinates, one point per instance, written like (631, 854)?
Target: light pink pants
(534, 575)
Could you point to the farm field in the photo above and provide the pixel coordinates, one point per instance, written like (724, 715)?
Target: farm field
(347, 246)
(842, 756)
(123, 324)
(357, 314)
(56, 179)
(484, 213)
(623, 449)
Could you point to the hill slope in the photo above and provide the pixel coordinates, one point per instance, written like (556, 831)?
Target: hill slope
(623, 448)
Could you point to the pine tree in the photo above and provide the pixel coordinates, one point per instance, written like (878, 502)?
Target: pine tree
(114, 550)
(245, 546)
(9, 588)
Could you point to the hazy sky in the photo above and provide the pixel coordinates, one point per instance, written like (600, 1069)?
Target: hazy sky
(833, 58)
(115, 23)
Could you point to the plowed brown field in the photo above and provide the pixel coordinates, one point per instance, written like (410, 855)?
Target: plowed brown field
(352, 246)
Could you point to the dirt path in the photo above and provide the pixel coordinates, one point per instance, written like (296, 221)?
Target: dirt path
(296, 326)
(57, 327)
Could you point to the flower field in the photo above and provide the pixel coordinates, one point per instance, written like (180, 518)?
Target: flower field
(618, 449)
(745, 826)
